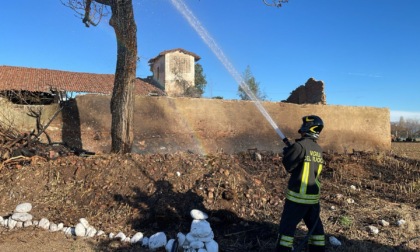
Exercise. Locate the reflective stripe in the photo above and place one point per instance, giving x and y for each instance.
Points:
(318, 240)
(302, 198)
(286, 241)
(305, 178)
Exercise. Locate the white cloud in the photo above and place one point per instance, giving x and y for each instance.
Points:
(396, 115)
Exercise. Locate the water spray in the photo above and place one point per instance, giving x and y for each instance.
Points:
(211, 43)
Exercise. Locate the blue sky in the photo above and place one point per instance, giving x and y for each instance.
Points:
(367, 53)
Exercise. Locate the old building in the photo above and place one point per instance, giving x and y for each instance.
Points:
(173, 70)
(42, 86)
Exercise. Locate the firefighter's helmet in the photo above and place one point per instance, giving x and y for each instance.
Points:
(312, 125)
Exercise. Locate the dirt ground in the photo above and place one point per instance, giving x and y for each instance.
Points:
(242, 194)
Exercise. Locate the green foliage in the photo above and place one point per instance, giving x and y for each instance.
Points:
(200, 81)
(254, 86)
(345, 221)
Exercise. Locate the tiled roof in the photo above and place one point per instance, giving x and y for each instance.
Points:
(42, 80)
(196, 57)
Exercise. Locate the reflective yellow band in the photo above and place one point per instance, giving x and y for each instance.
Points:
(305, 178)
(302, 198)
(286, 241)
(318, 240)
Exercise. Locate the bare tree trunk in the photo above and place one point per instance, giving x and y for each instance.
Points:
(122, 102)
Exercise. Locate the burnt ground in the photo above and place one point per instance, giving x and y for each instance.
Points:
(242, 194)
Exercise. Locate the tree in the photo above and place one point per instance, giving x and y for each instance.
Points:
(200, 81)
(122, 101)
(252, 86)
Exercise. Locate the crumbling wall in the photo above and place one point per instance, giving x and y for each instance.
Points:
(167, 125)
(310, 93)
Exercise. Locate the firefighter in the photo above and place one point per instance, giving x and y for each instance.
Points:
(304, 161)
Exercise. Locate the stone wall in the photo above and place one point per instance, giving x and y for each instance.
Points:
(168, 125)
(310, 93)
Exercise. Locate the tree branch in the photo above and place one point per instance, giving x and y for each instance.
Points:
(275, 3)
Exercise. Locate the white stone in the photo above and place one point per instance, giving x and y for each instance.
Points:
(44, 223)
(202, 250)
(200, 228)
(121, 236)
(1, 221)
(90, 231)
(35, 223)
(145, 242)
(23, 208)
(11, 223)
(111, 235)
(353, 187)
(84, 222)
(27, 223)
(197, 244)
(400, 222)
(191, 238)
(373, 229)
(157, 240)
(136, 237)
(212, 246)
(198, 215)
(384, 223)
(334, 241)
(80, 230)
(53, 227)
(127, 239)
(169, 245)
(19, 224)
(181, 238)
(21, 217)
(206, 238)
(6, 223)
(350, 200)
(60, 226)
(178, 173)
(100, 233)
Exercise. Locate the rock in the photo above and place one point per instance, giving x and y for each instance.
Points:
(35, 223)
(23, 208)
(169, 245)
(1, 221)
(350, 200)
(334, 241)
(22, 217)
(44, 223)
(373, 229)
(145, 242)
(200, 228)
(136, 238)
(202, 250)
(53, 227)
(384, 223)
(11, 223)
(19, 224)
(121, 236)
(80, 230)
(400, 222)
(127, 239)
(100, 233)
(111, 235)
(84, 222)
(206, 238)
(197, 244)
(198, 215)
(60, 226)
(181, 238)
(90, 231)
(157, 240)
(27, 223)
(212, 246)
